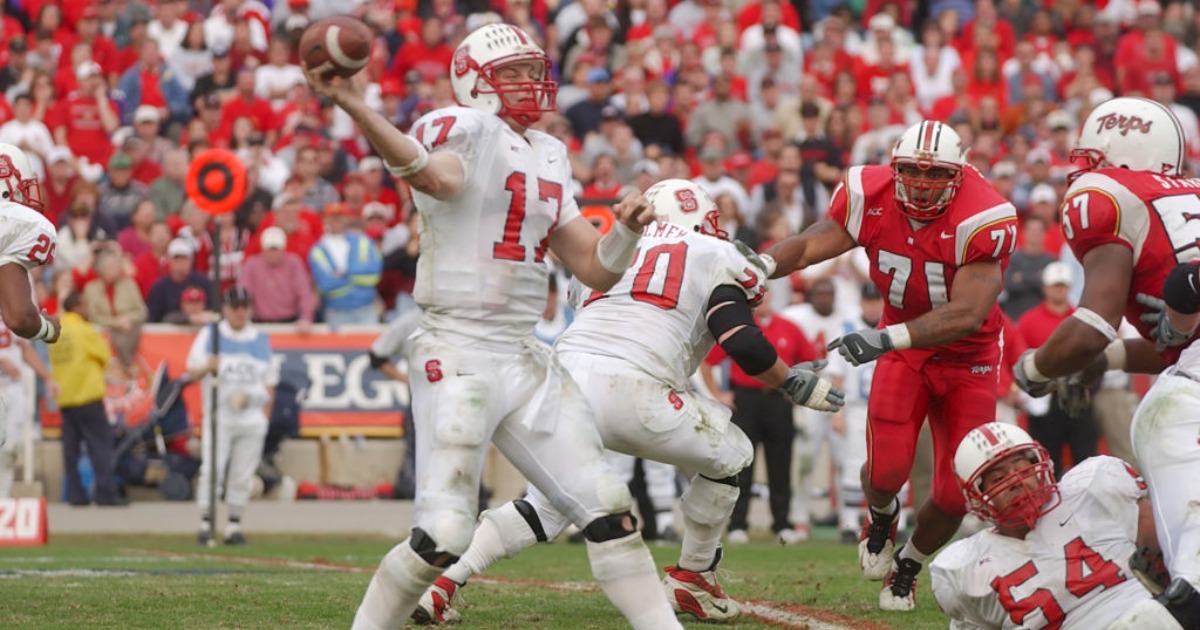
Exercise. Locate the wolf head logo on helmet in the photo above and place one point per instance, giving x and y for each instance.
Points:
(1006, 493)
(1134, 133)
(928, 163)
(687, 205)
(476, 84)
(17, 183)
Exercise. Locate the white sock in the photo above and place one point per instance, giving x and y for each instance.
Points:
(626, 573)
(706, 507)
(909, 552)
(501, 533)
(892, 507)
(397, 586)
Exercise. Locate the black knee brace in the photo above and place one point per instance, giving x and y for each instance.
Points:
(611, 527)
(426, 547)
(530, 515)
(1183, 602)
(732, 480)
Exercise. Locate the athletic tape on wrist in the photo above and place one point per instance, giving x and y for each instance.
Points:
(1114, 355)
(46, 330)
(415, 166)
(617, 248)
(1093, 319)
(769, 262)
(1031, 370)
(901, 338)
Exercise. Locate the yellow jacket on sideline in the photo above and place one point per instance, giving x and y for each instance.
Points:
(78, 361)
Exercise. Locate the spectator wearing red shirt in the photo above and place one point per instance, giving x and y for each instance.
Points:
(765, 415)
(151, 82)
(1052, 427)
(1145, 51)
(430, 55)
(152, 263)
(135, 239)
(604, 184)
(58, 184)
(104, 50)
(303, 228)
(84, 120)
(656, 16)
(752, 13)
(246, 103)
(370, 171)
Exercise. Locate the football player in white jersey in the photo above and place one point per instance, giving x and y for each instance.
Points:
(1132, 219)
(27, 241)
(692, 288)
(1056, 556)
(493, 196)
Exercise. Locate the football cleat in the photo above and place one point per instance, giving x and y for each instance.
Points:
(434, 607)
(877, 543)
(205, 538)
(900, 586)
(737, 537)
(235, 537)
(698, 593)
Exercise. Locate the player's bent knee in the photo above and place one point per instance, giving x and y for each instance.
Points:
(445, 551)
(531, 519)
(611, 527)
(710, 501)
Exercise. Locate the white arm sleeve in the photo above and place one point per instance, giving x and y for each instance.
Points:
(391, 343)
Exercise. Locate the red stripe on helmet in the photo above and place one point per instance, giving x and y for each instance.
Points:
(927, 141)
(519, 33)
(989, 436)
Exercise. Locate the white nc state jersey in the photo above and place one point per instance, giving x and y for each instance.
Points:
(27, 238)
(654, 317)
(1071, 571)
(482, 272)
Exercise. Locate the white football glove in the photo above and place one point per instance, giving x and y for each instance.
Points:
(805, 388)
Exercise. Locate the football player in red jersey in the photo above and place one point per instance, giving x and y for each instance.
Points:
(937, 234)
(1133, 221)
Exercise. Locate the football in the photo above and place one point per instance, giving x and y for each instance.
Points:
(340, 45)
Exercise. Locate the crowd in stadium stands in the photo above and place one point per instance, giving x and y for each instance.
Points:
(762, 102)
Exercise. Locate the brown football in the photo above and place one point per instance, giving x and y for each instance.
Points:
(339, 44)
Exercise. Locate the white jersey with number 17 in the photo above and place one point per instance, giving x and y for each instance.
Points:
(482, 272)
(655, 316)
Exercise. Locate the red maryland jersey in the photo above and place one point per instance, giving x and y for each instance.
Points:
(913, 263)
(1157, 217)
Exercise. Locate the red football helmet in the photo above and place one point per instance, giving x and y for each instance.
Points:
(473, 74)
(990, 444)
(17, 183)
(928, 163)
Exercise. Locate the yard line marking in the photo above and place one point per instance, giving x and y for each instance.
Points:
(778, 614)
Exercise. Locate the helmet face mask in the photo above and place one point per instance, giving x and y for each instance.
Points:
(486, 74)
(1132, 133)
(14, 185)
(927, 164)
(1006, 477)
(683, 203)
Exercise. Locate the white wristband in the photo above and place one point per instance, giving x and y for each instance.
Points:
(46, 330)
(1093, 319)
(415, 166)
(616, 248)
(1031, 370)
(1114, 355)
(901, 339)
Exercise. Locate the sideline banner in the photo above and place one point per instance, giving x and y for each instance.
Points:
(344, 395)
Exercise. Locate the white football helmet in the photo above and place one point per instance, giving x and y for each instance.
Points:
(990, 444)
(18, 182)
(473, 74)
(923, 192)
(687, 205)
(1134, 133)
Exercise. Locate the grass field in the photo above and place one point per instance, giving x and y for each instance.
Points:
(280, 582)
